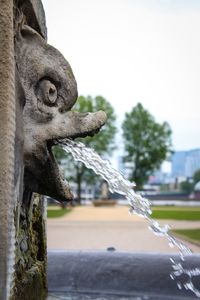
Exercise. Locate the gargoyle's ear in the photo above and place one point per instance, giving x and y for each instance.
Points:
(26, 33)
(23, 30)
(29, 33)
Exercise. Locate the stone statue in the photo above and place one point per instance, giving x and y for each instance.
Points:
(104, 190)
(50, 92)
(37, 92)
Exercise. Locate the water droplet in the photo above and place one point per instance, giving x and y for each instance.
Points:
(179, 285)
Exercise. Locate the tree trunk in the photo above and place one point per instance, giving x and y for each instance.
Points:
(79, 189)
(79, 179)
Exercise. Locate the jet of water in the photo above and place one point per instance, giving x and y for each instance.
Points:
(138, 205)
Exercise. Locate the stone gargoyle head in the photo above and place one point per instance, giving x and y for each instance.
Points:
(50, 91)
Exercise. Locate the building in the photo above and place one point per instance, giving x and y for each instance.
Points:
(182, 165)
(185, 163)
(178, 163)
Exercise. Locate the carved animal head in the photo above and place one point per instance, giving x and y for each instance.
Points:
(50, 91)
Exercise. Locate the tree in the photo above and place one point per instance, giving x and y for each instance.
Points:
(102, 143)
(196, 176)
(187, 186)
(147, 143)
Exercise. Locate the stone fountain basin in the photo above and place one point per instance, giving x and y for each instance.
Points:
(114, 275)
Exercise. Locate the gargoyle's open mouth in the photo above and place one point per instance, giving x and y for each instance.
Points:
(42, 174)
(82, 125)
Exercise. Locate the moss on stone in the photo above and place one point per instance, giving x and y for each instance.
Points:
(30, 264)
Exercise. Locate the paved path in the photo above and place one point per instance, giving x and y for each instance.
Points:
(98, 228)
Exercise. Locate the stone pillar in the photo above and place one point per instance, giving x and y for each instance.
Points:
(7, 141)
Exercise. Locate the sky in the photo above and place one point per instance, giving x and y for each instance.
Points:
(132, 51)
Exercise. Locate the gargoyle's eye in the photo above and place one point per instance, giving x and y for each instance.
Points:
(47, 92)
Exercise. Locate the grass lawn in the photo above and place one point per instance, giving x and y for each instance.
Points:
(176, 213)
(56, 213)
(190, 234)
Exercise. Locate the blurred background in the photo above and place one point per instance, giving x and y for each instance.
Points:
(139, 61)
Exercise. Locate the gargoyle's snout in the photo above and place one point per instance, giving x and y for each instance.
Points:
(73, 124)
(69, 125)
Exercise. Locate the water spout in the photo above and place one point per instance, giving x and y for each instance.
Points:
(138, 205)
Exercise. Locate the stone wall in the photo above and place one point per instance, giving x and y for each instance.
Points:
(22, 213)
(7, 142)
(30, 259)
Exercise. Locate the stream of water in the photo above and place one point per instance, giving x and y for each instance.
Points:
(138, 205)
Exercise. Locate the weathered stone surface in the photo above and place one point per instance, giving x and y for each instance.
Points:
(30, 262)
(37, 92)
(102, 296)
(7, 141)
(50, 91)
(35, 15)
(96, 275)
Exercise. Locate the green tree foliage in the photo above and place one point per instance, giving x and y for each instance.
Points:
(187, 186)
(103, 142)
(147, 143)
(196, 176)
